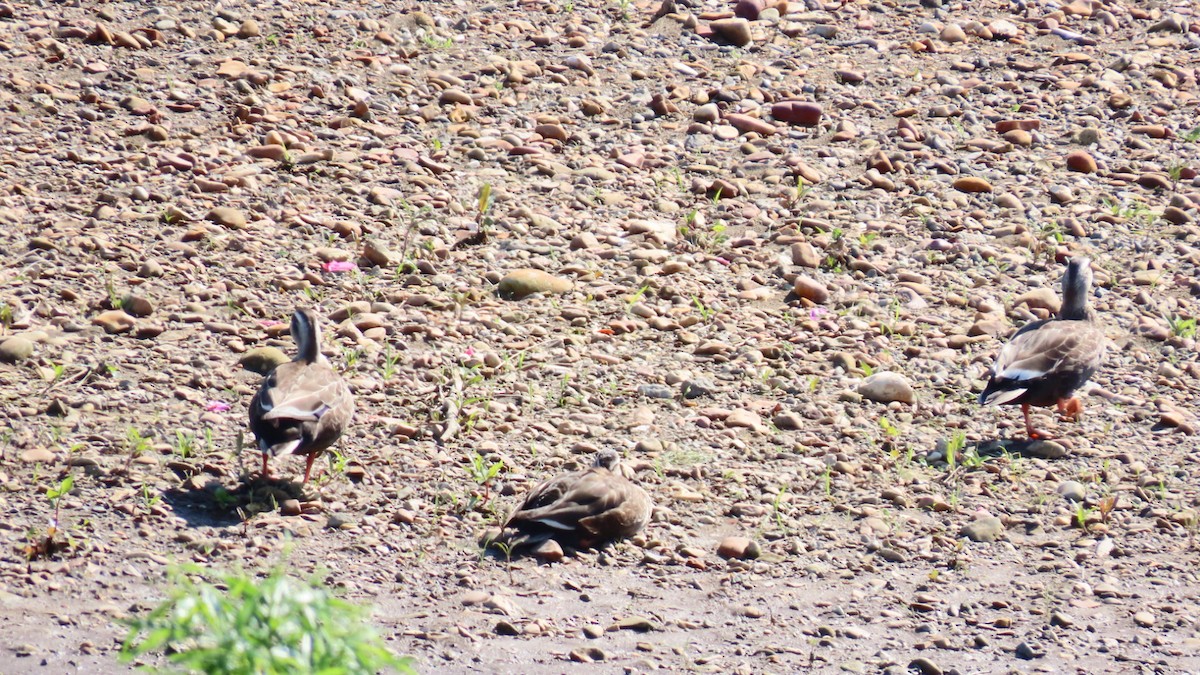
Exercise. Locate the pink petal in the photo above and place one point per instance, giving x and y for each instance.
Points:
(217, 406)
(338, 266)
(723, 261)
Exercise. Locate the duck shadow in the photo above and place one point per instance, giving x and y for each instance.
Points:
(1037, 448)
(216, 505)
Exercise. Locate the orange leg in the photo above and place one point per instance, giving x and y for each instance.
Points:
(266, 470)
(308, 467)
(1029, 430)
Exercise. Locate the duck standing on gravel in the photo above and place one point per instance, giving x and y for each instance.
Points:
(580, 510)
(303, 406)
(1047, 360)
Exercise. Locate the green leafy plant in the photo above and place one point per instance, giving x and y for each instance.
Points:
(437, 43)
(706, 312)
(954, 447)
(45, 546)
(138, 445)
(888, 428)
(390, 359)
(1182, 327)
(267, 626)
(184, 443)
(484, 473)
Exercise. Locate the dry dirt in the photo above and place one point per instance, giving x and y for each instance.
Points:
(725, 272)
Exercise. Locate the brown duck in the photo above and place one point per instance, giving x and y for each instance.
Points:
(303, 406)
(580, 510)
(1046, 361)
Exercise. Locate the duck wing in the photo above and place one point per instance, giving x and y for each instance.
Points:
(1037, 353)
(300, 408)
(580, 509)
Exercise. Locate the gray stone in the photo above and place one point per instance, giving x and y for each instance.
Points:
(16, 348)
(886, 387)
(984, 529)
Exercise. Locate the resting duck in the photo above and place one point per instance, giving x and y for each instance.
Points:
(303, 406)
(1046, 361)
(580, 510)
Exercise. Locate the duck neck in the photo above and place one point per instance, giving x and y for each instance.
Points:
(307, 337)
(1074, 307)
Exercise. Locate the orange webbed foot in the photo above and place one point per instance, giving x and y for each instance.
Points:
(1070, 409)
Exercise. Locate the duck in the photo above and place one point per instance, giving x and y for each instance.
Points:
(1047, 361)
(580, 510)
(303, 406)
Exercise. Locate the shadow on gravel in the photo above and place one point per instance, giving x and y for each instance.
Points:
(1038, 448)
(215, 505)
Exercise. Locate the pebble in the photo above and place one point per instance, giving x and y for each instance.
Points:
(227, 216)
(16, 348)
(800, 113)
(983, 529)
(924, 666)
(740, 548)
(733, 31)
(810, 289)
(1081, 161)
(660, 391)
(524, 282)
(38, 454)
(1072, 491)
(971, 184)
(137, 305)
(953, 34)
(805, 255)
(114, 321)
(886, 387)
(262, 360)
(1039, 298)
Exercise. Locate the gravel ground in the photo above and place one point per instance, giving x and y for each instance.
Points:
(768, 257)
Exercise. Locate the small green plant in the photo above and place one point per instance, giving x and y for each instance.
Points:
(637, 296)
(954, 447)
(150, 499)
(706, 313)
(867, 238)
(803, 189)
(184, 444)
(137, 444)
(866, 368)
(1081, 515)
(1192, 136)
(564, 389)
(351, 357)
(6, 315)
(776, 507)
(224, 498)
(434, 42)
(45, 546)
(1182, 327)
(483, 473)
(390, 359)
(888, 428)
(271, 626)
